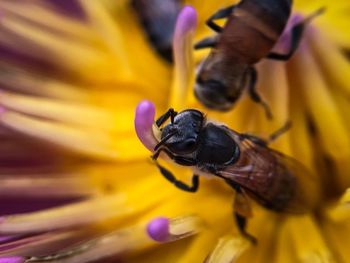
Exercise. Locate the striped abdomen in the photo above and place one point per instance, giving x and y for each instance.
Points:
(253, 29)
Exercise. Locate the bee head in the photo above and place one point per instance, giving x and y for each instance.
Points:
(214, 94)
(182, 136)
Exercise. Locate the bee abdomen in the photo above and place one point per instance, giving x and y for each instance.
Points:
(254, 28)
(272, 13)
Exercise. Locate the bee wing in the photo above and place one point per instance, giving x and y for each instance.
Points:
(307, 187)
(273, 179)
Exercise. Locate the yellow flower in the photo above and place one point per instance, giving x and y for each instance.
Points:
(84, 183)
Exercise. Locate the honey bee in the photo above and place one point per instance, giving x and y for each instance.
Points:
(251, 30)
(274, 180)
(159, 18)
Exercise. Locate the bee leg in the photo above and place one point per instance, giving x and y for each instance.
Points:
(178, 159)
(179, 184)
(254, 139)
(271, 138)
(242, 222)
(297, 33)
(169, 114)
(242, 210)
(170, 177)
(254, 95)
(208, 42)
(222, 13)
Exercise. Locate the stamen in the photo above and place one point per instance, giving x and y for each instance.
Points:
(158, 229)
(106, 246)
(18, 79)
(162, 229)
(301, 133)
(337, 236)
(48, 18)
(323, 109)
(183, 56)
(274, 87)
(228, 249)
(74, 113)
(327, 55)
(43, 243)
(144, 119)
(12, 260)
(31, 40)
(38, 186)
(85, 141)
(109, 30)
(72, 215)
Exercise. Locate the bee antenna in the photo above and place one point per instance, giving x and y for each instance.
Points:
(165, 139)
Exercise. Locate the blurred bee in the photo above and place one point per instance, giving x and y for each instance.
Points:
(159, 18)
(250, 32)
(275, 181)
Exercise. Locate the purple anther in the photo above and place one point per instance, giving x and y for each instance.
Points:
(186, 21)
(144, 119)
(158, 229)
(182, 47)
(284, 41)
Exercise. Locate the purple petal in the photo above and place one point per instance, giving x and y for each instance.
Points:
(71, 7)
(158, 229)
(12, 260)
(144, 119)
(20, 205)
(7, 239)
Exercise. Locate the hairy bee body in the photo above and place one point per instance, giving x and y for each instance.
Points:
(251, 30)
(274, 180)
